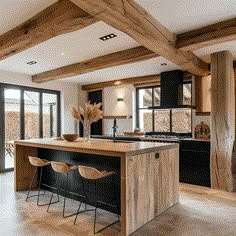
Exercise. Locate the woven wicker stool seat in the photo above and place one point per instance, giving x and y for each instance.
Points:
(35, 161)
(38, 163)
(61, 168)
(91, 173)
(94, 175)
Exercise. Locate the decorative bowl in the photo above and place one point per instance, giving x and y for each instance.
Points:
(70, 137)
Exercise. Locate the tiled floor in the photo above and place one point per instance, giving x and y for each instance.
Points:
(201, 212)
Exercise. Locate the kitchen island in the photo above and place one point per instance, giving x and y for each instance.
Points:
(148, 173)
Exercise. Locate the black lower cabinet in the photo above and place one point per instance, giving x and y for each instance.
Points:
(195, 162)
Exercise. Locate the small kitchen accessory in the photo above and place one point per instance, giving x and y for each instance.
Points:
(202, 131)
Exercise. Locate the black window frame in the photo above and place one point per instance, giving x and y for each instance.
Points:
(22, 89)
(153, 109)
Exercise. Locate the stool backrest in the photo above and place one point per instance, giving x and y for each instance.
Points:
(60, 167)
(35, 161)
(90, 173)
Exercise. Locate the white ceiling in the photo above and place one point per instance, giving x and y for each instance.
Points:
(178, 16)
(68, 49)
(184, 15)
(205, 52)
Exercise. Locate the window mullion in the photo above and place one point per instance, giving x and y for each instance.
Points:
(22, 114)
(40, 115)
(153, 118)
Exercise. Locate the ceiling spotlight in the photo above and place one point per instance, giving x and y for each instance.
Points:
(109, 36)
(163, 64)
(31, 63)
(120, 99)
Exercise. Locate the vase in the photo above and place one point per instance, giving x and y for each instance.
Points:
(87, 129)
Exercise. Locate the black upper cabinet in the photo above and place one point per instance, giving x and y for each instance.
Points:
(96, 96)
(96, 128)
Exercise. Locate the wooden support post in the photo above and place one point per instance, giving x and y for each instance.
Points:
(222, 120)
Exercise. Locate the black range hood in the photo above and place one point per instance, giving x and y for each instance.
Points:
(172, 90)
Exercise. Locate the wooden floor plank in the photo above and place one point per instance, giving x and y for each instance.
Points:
(201, 211)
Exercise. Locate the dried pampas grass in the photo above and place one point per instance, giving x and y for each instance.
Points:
(91, 113)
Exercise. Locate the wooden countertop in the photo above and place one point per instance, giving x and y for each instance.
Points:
(99, 146)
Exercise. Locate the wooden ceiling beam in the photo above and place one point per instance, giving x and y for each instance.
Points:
(132, 80)
(114, 59)
(59, 18)
(128, 17)
(136, 81)
(212, 34)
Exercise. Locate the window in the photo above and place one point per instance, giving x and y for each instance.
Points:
(162, 120)
(26, 113)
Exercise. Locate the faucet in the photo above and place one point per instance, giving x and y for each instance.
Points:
(114, 130)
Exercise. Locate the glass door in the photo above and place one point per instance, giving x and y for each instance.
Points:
(26, 113)
(31, 115)
(12, 118)
(50, 115)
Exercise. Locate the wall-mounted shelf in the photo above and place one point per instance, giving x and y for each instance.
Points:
(117, 117)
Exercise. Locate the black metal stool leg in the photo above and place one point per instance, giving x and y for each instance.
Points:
(64, 203)
(39, 184)
(58, 193)
(95, 216)
(66, 191)
(39, 188)
(95, 213)
(30, 188)
(85, 203)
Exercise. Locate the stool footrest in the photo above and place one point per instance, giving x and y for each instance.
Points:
(106, 204)
(35, 195)
(95, 232)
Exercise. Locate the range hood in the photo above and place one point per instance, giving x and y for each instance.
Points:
(171, 90)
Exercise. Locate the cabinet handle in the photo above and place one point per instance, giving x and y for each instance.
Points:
(157, 155)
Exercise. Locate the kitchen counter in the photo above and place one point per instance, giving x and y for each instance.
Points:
(137, 138)
(195, 139)
(147, 174)
(148, 138)
(98, 146)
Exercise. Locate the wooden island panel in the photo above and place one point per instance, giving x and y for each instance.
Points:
(152, 186)
(24, 171)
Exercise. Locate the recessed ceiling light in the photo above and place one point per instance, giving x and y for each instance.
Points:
(109, 36)
(163, 64)
(62, 53)
(31, 62)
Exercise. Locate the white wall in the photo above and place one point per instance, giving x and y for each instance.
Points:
(114, 108)
(196, 119)
(69, 94)
(127, 107)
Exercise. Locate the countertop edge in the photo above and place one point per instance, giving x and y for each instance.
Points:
(117, 153)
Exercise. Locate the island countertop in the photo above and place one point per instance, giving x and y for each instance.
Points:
(99, 146)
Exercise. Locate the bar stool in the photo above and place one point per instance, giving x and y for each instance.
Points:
(62, 168)
(94, 175)
(38, 163)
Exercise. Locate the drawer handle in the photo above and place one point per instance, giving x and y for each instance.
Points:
(157, 155)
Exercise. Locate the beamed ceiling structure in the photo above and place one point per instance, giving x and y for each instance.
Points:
(127, 16)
